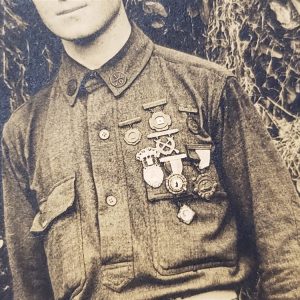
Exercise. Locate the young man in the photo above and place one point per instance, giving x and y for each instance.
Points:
(142, 173)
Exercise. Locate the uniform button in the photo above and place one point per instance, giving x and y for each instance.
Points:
(104, 134)
(118, 79)
(72, 87)
(111, 200)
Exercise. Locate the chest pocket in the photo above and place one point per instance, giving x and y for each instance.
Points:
(208, 241)
(58, 223)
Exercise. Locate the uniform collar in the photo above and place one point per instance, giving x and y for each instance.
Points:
(118, 73)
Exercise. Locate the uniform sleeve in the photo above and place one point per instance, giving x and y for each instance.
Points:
(26, 255)
(261, 189)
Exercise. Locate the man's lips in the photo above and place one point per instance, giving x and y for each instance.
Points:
(70, 10)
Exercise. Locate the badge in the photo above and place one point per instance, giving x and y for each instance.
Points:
(152, 172)
(201, 153)
(176, 183)
(132, 136)
(165, 143)
(160, 121)
(205, 186)
(186, 214)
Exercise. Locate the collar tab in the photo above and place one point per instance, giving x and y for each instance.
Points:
(118, 73)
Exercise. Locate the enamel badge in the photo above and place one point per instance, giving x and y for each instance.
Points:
(205, 186)
(152, 172)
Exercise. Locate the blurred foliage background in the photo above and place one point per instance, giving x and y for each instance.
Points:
(259, 40)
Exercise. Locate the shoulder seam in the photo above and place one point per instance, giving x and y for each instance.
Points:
(222, 73)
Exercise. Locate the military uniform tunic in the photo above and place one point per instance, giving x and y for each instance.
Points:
(82, 223)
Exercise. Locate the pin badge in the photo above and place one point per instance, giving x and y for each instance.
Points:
(165, 143)
(152, 172)
(186, 214)
(205, 186)
(132, 136)
(201, 153)
(160, 121)
(176, 183)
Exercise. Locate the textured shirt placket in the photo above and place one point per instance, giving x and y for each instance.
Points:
(110, 183)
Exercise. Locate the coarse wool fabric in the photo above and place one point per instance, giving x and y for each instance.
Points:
(67, 241)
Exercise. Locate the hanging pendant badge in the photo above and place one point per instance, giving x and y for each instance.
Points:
(176, 183)
(204, 185)
(133, 135)
(152, 172)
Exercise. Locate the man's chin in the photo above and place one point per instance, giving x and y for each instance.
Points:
(81, 38)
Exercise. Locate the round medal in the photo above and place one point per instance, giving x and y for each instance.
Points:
(176, 184)
(160, 121)
(132, 136)
(205, 186)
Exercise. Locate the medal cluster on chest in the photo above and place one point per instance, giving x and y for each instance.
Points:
(163, 163)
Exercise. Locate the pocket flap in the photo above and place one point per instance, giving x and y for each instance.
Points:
(58, 201)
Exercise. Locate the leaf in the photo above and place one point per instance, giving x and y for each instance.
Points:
(298, 185)
(205, 8)
(192, 11)
(284, 15)
(151, 7)
(157, 24)
(296, 4)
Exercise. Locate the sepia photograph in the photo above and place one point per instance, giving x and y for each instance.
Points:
(150, 150)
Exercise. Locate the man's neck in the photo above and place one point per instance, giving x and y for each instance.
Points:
(97, 51)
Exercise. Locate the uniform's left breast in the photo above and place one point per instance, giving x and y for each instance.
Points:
(191, 224)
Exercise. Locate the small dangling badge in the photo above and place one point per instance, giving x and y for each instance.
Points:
(176, 183)
(152, 172)
(186, 214)
(133, 135)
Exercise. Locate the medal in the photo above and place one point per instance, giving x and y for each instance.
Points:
(164, 141)
(160, 121)
(132, 136)
(186, 214)
(152, 172)
(201, 153)
(176, 183)
(205, 186)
